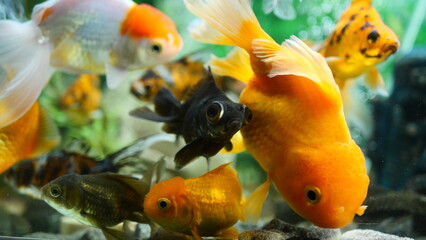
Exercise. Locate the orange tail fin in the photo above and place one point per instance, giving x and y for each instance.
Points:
(234, 19)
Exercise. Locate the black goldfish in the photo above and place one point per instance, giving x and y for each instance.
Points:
(100, 200)
(207, 120)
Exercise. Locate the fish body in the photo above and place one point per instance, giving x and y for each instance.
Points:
(201, 206)
(207, 121)
(359, 42)
(30, 136)
(79, 36)
(99, 200)
(298, 133)
(29, 176)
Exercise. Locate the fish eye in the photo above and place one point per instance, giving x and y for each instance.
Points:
(163, 204)
(313, 195)
(55, 192)
(248, 116)
(156, 48)
(372, 37)
(214, 111)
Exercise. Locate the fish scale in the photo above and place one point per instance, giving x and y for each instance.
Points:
(203, 206)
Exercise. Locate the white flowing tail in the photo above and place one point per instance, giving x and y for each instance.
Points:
(24, 68)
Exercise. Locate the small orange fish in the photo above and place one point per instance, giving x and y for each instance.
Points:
(82, 97)
(79, 36)
(298, 133)
(30, 136)
(208, 205)
(180, 76)
(360, 41)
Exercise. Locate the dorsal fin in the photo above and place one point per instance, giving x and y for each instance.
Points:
(294, 57)
(166, 103)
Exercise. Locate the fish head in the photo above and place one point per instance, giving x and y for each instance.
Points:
(325, 185)
(168, 204)
(151, 37)
(63, 194)
(376, 40)
(224, 118)
(146, 87)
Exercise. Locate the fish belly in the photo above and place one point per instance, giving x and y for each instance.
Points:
(17, 140)
(82, 31)
(218, 204)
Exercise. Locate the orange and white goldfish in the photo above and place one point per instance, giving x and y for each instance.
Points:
(298, 133)
(108, 37)
(359, 42)
(208, 205)
(30, 136)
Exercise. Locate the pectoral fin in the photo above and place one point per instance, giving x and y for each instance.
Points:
(146, 113)
(374, 80)
(112, 234)
(114, 75)
(195, 233)
(254, 203)
(189, 152)
(196, 148)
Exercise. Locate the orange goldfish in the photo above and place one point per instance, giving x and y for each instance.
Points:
(360, 41)
(208, 205)
(83, 94)
(30, 136)
(108, 37)
(298, 133)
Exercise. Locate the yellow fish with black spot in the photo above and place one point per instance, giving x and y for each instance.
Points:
(359, 42)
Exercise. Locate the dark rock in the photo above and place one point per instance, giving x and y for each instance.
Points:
(84, 234)
(89, 234)
(262, 235)
(12, 225)
(400, 125)
(399, 213)
(294, 232)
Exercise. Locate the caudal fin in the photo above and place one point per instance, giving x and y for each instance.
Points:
(294, 57)
(233, 18)
(24, 68)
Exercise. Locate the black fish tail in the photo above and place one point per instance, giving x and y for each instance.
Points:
(116, 160)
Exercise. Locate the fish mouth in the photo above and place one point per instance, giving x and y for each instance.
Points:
(389, 49)
(233, 125)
